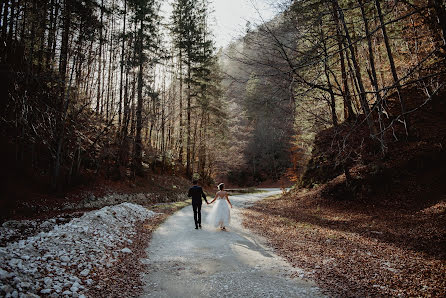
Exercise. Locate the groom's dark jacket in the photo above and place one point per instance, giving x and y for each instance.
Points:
(196, 192)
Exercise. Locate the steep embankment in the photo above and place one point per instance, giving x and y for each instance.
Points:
(349, 144)
(383, 233)
(21, 202)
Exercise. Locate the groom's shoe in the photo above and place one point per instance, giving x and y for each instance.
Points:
(199, 226)
(196, 228)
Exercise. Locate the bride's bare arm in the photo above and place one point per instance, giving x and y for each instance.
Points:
(214, 198)
(227, 199)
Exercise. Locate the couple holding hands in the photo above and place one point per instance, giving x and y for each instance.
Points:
(220, 214)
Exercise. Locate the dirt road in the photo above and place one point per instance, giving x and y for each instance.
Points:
(184, 262)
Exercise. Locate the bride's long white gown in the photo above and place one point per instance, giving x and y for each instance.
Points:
(220, 215)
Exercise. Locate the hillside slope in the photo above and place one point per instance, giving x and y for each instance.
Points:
(382, 233)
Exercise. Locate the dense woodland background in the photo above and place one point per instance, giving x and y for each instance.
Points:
(115, 89)
(107, 88)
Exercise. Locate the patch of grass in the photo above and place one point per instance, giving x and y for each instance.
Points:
(242, 191)
(164, 210)
(169, 208)
(295, 224)
(273, 197)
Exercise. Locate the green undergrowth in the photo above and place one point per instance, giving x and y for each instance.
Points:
(243, 191)
(169, 207)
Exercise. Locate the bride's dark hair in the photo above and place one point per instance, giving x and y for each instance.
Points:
(221, 186)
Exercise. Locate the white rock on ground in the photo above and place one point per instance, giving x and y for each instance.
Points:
(59, 262)
(126, 250)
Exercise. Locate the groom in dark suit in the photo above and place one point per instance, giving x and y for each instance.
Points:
(196, 192)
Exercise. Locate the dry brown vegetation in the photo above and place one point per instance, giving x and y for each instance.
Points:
(357, 249)
(381, 234)
(28, 202)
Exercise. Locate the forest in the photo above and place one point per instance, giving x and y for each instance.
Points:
(340, 65)
(107, 89)
(112, 87)
(341, 101)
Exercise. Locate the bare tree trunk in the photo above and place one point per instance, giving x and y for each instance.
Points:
(441, 18)
(11, 22)
(124, 144)
(194, 147)
(64, 44)
(348, 110)
(163, 106)
(61, 110)
(180, 136)
(188, 156)
(88, 79)
(362, 95)
(16, 19)
(24, 18)
(334, 116)
(33, 35)
(374, 78)
(132, 104)
(98, 95)
(137, 163)
(51, 33)
(104, 67)
(392, 66)
(5, 20)
(122, 64)
(54, 40)
(110, 86)
(42, 36)
(203, 139)
(172, 110)
(354, 83)
(126, 116)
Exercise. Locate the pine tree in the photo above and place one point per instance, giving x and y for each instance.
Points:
(147, 23)
(187, 36)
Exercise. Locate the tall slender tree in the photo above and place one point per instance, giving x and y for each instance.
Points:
(147, 21)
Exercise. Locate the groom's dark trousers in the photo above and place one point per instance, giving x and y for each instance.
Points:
(196, 192)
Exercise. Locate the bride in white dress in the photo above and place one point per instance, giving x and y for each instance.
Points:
(220, 214)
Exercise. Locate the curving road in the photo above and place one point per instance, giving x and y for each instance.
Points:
(184, 262)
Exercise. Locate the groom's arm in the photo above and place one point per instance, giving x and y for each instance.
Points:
(204, 196)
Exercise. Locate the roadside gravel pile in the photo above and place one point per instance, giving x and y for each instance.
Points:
(15, 230)
(65, 260)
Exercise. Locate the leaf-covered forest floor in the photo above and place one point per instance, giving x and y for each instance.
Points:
(385, 234)
(356, 249)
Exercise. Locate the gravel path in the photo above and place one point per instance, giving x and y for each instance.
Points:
(184, 262)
